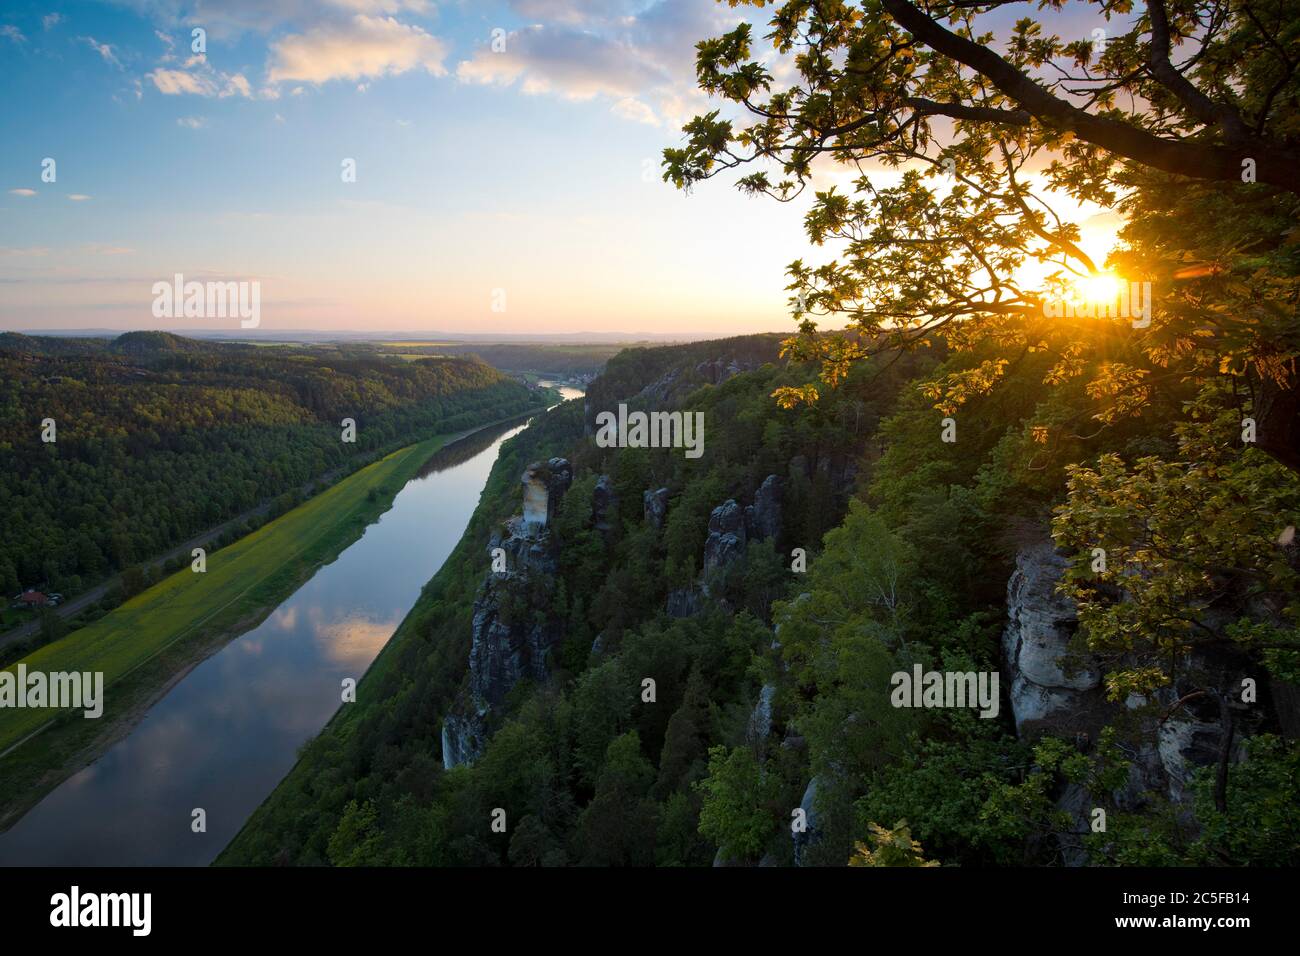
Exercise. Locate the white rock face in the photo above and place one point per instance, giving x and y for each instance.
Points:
(1040, 626)
(536, 498)
(1185, 746)
(1033, 703)
(544, 483)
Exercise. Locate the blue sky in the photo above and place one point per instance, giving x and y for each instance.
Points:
(527, 174)
(533, 170)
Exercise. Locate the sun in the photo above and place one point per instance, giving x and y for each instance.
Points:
(1097, 289)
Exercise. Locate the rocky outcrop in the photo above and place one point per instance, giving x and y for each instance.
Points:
(731, 528)
(544, 484)
(604, 505)
(504, 652)
(1191, 736)
(508, 642)
(528, 550)
(811, 834)
(661, 379)
(760, 719)
(1186, 745)
(763, 517)
(1056, 688)
(727, 536)
(655, 506)
(719, 370)
(462, 739)
(1047, 693)
(685, 602)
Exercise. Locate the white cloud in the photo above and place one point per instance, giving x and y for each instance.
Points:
(355, 49)
(643, 61)
(192, 122)
(575, 64)
(381, 6)
(22, 192)
(176, 82)
(105, 51)
(78, 197)
(199, 79)
(236, 84)
(227, 18)
(631, 108)
(572, 11)
(13, 33)
(51, 20)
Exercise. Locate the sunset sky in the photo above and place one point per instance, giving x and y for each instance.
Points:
(534, 170)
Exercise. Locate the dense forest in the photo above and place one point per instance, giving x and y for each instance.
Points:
(158, 438)
(1081, 478)
(776, 677)
(543, 357)
(1037, 423)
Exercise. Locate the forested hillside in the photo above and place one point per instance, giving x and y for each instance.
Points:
(542, 357)
(159, 437)
(1072, 477)
(772, 683)
(372, 787)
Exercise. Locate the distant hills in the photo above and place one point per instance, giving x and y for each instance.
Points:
(316, 335)
(122, 343)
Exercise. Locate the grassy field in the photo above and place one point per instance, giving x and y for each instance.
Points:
(12, 617)
(142, 645)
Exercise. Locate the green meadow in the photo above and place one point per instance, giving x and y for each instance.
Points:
(148, 640)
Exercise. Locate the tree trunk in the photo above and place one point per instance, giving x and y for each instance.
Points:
(1277, 421)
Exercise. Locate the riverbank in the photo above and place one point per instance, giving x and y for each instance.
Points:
(416, 672)
(150, 643)
(72, 609)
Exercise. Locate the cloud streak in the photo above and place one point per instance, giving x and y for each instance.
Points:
(198, 78)
(105, 51)
(359, 48)
(587, 50)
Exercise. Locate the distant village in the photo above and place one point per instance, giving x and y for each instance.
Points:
(576, 380)
(33, 600)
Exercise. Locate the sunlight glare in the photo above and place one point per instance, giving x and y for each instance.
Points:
(1104, 287)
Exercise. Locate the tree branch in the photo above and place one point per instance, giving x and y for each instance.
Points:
(1276, 166)
(1197, 103)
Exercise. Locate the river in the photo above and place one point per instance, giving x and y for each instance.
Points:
(226, 734)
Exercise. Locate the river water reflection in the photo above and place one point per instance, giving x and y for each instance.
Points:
(227, 733)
